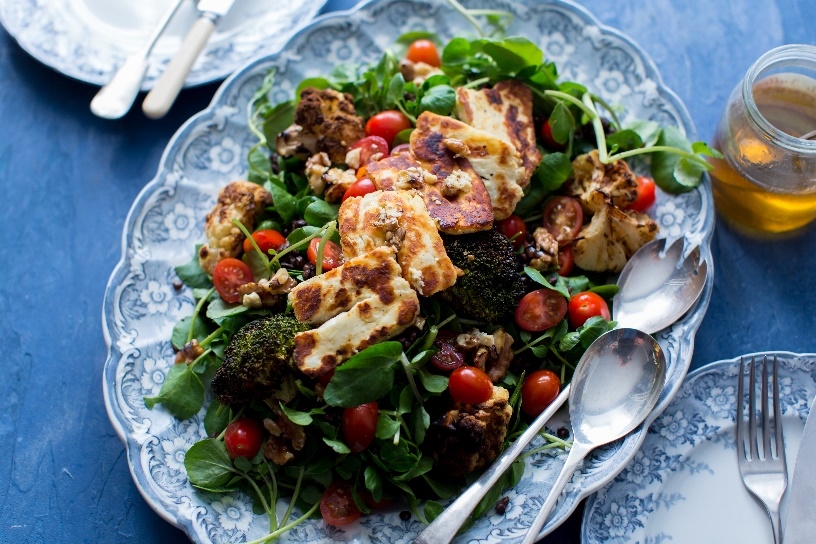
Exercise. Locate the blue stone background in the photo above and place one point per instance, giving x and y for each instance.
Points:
(67, 180)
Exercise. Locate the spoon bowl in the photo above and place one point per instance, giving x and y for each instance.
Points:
(657, 286)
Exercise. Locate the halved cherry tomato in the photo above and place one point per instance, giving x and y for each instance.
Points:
(585, 305)
(228, 276)
(243, 438)
(645, 194)
(325, 378)
(266, 239)
(547, 136)
(538, 391)
(424, 51)
(332, 254)
(369, 147)
(448, 358)
(359, 425)
(361, 187)
(514, 228)
(368, 498)
(563, 218)
(541, 309)
(400, 149)
(387, 124)
(469, 385)
(566, 260)
(337, 506)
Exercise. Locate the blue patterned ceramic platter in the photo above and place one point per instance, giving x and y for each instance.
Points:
(684, 484)
(167, 218)
(89, 39)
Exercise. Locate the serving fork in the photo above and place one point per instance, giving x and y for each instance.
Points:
(762, 466)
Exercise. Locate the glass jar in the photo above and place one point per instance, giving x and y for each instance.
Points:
(766, 182)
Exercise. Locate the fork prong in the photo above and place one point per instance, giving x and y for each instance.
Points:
(740, 412)
(778, 438)
(766, 412)
(752, 419)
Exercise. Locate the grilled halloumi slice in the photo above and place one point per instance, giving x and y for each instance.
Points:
(241, 200)
(398, 219)
(506, 111)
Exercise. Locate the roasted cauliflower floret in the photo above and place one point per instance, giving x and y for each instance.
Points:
(614, 181)
(337, 181)
(325, 121)
(467, 437)
(241, 200)
(611, 238)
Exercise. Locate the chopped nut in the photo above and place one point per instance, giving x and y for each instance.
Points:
(285, 438)
(316, 166)
(189, 353)
(267, 293)
(546, 256)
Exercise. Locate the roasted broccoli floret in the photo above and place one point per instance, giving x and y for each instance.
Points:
(491, 286)
(257, 360)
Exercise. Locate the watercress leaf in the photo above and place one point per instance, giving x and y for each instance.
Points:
(182, 329)
(607, 290)
(258, 265)
(576, 284)
(218, 309)
(387, 426)
(217, 418)
(396, 456)
(320, 83)
(688, 172)
(182, 392)
(456, 52)
(193, 275)
(406, 401)
(410, 37)
(561, 123)
(373, 482)
(278, 120)
(421, 421)
(258, 164)
(301, 233)
(285, 204)
(337, 445)
(344, 73)
(432, 510)
(367, 376)
(442, 489)
(434, 80)
(208, 464)
(423, 466)
(433, 383)
(569, 341)
(553, 171)
(243, 464)
(623, 140)
(298, 418)
(310, 495)
(403, 136)
(702, 148)
(540, 350)
(439, 99)
(664, 163)
(395, 91)
(320, 212)
(536, 276)
(592, 329)
(649, 131)
(514, 54)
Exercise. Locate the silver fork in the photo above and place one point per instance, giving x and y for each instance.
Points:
(764, 472)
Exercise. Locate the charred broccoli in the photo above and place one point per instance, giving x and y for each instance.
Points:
(491, 286)
(257, 359)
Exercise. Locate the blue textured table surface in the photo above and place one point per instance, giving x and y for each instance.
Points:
(69, 180)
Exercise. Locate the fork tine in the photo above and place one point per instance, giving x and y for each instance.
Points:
(778, 442)
(752, 420)
(766, 412)
(740, 412)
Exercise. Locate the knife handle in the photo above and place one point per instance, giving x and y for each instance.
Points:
(164, 93)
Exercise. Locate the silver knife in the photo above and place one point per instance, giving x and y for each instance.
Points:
(800, 526)
(166, 89)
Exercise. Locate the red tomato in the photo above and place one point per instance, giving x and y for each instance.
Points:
(266, 240)
(448, 358)
(400, 149)
(469, 385)
(332, 254)
(325, 378)
(361, 187)
(538, 391)
(547, 136)
(370, 146)
(243, 438)
(585, 305)
(645, 194)
(513, 226)
(359, 425)
(566, 260)
(228, 276)
(563, 218)
(368, 498)
(424, 51)
(541, 309)
(387, 124)
(337, 505)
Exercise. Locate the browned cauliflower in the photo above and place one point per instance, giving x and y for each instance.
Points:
(614, 181)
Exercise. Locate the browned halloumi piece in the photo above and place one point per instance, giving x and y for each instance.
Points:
(241, 200)
(505, 111)
(398, 219)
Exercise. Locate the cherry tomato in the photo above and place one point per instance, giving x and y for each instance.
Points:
(541, 309)
(368, 498)
(243, 438)
(513, 226)
(424, 51)
(400, 149)
(387, 124)
(332, 254)
(361, 187)
(359, 425)
(585, 305)
(563, 218)
(370, 146)
(266, 239)
(228, 276)
(448, 358)
(538, 391)
(547, 136)
(469, 385)
(566, 260)
(645, 194)
(337, 505)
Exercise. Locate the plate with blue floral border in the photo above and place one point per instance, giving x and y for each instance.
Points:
(166, 220)
(684, 484)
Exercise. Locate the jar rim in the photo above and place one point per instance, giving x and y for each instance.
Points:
(801, 55)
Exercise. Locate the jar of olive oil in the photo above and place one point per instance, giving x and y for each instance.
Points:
(766, 181)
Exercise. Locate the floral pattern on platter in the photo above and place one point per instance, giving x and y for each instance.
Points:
(75, 39)
(702, 414)
(167, 219)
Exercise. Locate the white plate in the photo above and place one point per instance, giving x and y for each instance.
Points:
(684, 484)
(166, 220)
(89, 39)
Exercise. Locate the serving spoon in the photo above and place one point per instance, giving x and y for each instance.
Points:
(631, 294)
